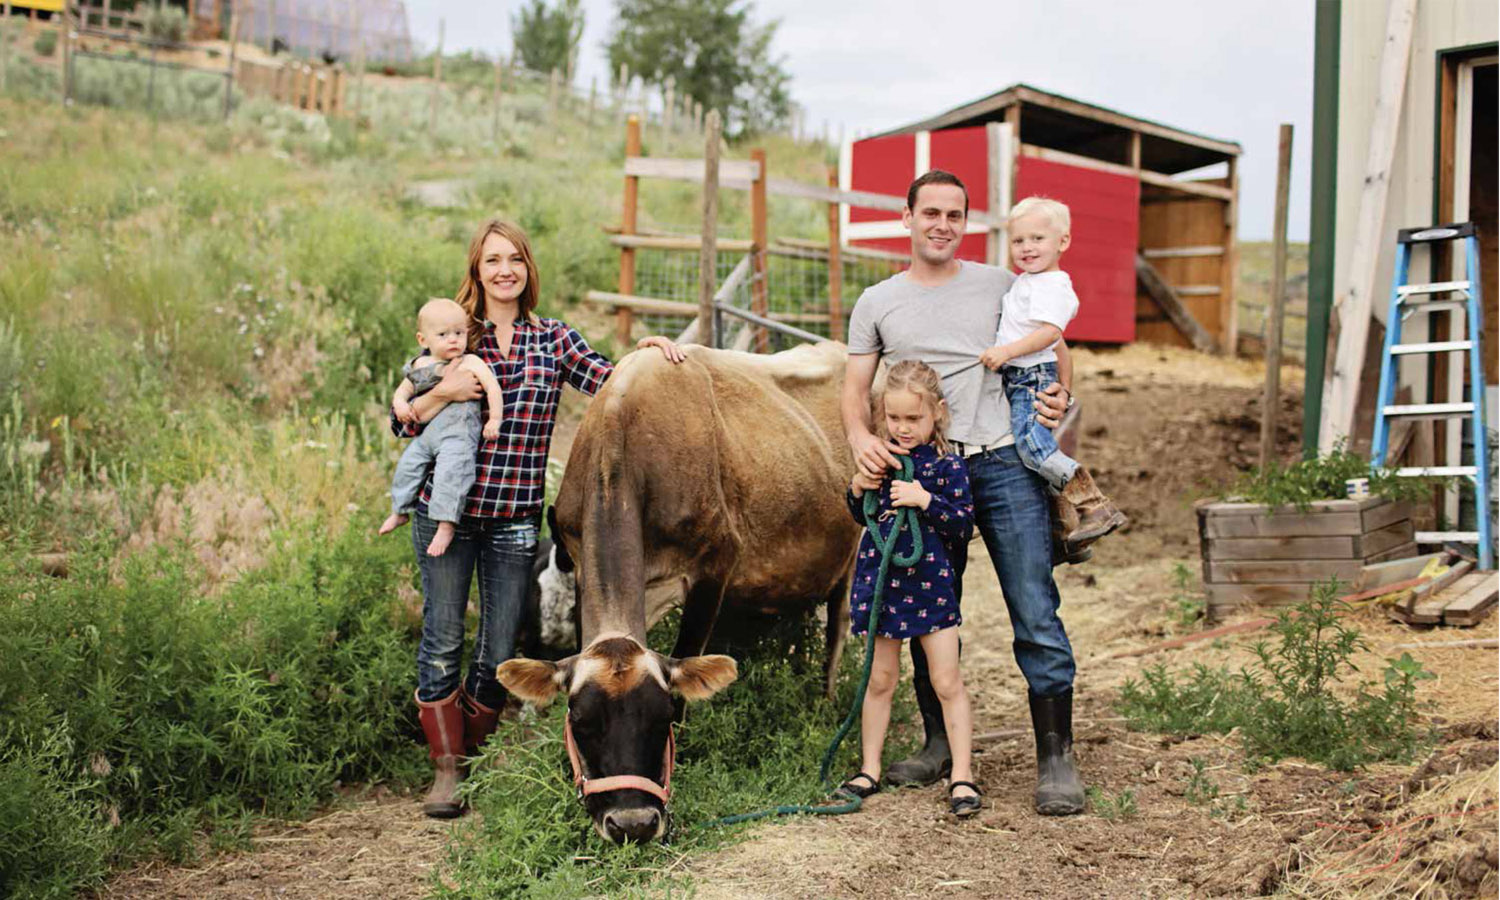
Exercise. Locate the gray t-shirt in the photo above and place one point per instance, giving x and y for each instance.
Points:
(946, 326)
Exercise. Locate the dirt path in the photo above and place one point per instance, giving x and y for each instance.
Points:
(1158, 427)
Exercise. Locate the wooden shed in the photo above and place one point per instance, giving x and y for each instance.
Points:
(1154, 206)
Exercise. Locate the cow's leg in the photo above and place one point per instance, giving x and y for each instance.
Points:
(835, 632)
(700, 610)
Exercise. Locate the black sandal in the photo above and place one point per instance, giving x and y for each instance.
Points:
(963, 807)
(851, 789)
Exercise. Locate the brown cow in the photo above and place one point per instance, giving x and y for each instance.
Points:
(716, 484)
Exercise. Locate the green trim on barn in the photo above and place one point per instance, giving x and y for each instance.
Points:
(1322, 234)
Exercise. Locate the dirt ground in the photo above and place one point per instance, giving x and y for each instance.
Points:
(1160, 427)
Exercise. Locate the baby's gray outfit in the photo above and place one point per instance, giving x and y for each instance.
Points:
(448, 445)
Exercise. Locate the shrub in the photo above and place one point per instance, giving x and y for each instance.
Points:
(1287, 704)
(167, 712)
(167, 23)
(46, 43)
(1323, 478)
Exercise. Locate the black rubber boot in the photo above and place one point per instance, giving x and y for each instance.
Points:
(934, 761)
(1059, 790)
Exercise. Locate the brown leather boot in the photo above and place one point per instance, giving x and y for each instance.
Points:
(1097, 516)
(1065, 519)
(443, 723)
(479, 724)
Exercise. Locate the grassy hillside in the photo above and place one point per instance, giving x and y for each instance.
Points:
(200, 323)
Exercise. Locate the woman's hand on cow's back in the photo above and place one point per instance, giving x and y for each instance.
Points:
(667, 346)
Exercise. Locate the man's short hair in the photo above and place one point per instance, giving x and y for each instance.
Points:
(935, 176)
(1055, 211)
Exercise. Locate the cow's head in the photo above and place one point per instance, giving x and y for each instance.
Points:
(620, 714)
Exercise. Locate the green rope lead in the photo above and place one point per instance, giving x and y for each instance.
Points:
(906, 518)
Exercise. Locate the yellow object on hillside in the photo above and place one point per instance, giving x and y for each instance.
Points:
(47, 6)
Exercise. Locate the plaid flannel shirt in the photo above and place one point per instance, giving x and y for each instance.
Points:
(512, 470)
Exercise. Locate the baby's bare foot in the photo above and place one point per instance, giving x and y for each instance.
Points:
(392, 522)
(441, 540)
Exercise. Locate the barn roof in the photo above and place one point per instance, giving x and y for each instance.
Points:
(1063, 123)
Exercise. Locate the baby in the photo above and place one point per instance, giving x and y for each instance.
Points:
(1037, 308)
(451, 439)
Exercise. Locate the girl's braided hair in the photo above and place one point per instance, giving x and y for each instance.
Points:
(923, 380)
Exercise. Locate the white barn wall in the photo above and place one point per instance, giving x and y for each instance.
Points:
(1440, 25)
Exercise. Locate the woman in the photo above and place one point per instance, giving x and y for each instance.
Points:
(497, 535)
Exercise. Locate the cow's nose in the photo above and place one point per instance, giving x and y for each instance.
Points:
(639, 824)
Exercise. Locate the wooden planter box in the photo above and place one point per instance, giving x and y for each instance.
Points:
(1256, 555)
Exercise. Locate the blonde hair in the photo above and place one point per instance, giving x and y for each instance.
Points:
(923, 380)
(471, 290)
(1055, 211)
(432, 308)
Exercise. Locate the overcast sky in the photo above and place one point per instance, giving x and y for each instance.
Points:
(1231, 70)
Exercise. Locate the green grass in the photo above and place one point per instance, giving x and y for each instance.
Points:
(200, 323)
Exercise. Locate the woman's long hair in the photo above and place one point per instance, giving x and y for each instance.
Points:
(923, 380)
(471, 290)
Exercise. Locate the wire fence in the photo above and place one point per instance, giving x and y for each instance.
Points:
(797, 288)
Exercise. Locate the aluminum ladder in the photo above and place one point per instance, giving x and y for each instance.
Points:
(1410, 299)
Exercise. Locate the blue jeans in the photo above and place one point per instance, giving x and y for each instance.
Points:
(1034, 441)
(1012, 513)
(502, 550)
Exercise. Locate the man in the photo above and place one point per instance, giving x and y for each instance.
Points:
(944, 311)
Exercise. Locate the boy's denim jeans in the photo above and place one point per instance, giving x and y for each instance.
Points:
(1012, 513)
(1034, 441)
(502, 550)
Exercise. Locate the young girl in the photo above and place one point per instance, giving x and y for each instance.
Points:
(919, 601)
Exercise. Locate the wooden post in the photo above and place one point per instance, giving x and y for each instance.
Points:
(835, 265)
(1271, 403)
(758, 242)
(234, 42)
(627, 226)
(103, 23)
(667, 99)
(5, 46)
(270, 26)
(708, 250)
(1354, 304)
(1229, 263)
(437, 80)
(359, 62)
(622, 87)
(65, 23)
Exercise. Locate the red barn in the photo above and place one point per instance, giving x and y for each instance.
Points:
(1143, 195)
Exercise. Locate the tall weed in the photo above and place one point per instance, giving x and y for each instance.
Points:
(162, 712)
(1289, 703)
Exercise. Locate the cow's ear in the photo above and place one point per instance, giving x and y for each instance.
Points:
(536, 680)
(700, 677)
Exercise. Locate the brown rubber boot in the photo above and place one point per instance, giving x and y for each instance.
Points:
(1097, 516)
(443, 723)
(479, 724)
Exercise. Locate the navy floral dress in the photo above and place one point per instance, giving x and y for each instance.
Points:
(918, 599)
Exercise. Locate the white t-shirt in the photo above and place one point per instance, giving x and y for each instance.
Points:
(1044, 298)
